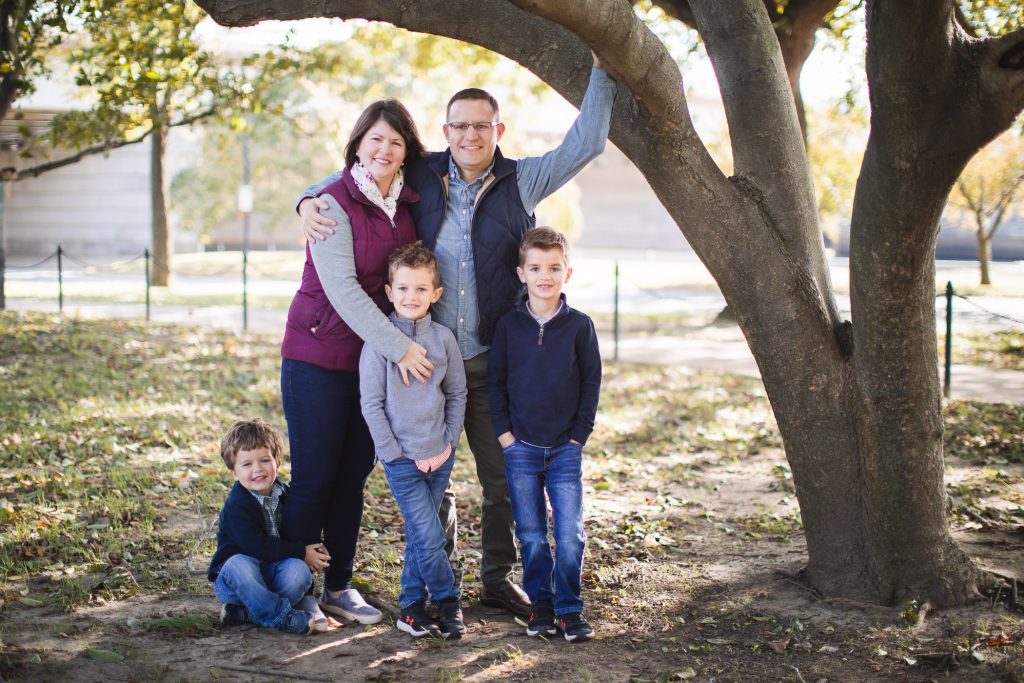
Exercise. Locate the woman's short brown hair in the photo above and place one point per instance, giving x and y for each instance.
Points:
(393, 113)
(248, 435)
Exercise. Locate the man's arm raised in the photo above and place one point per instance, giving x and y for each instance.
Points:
(539, 177)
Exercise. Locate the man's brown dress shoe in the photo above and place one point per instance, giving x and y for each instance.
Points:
(511, 598)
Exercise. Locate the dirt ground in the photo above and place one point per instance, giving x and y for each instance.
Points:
(692, 575)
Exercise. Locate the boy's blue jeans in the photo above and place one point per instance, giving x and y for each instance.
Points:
(267, 589)
(426, 571)
(532, 470)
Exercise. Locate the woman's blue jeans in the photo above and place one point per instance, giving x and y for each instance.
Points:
(267, 589)
(532, 471)
(332, 455)
(426, 571)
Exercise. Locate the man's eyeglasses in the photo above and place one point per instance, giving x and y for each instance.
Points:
(461, 127)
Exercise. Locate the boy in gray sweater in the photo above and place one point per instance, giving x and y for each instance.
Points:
(415, 430)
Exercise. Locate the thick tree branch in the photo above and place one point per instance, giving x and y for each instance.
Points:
(617, 35)
(767, 145)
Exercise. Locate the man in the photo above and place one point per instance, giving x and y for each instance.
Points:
(475, 207)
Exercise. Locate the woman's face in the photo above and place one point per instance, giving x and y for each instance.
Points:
(382, 151)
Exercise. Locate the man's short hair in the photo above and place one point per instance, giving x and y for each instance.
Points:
(414, 256)
(248, 435)
(544, 239)
(472, 94)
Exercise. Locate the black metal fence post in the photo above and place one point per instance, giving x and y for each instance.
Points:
(145, 255)
(60, 278)
(949, 340)
(615, 316)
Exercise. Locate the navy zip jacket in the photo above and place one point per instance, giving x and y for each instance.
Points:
(242, 531)
(543, 382)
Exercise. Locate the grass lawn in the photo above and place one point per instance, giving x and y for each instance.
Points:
(110, 485)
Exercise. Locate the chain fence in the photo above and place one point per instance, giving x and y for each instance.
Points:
(616, 326)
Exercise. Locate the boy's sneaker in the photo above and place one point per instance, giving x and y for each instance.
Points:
(309, 604)
(414, 621)
(350, 604)
(574, 627)
(542, 620)
(234, 615)
(296, 622)
(450, 613)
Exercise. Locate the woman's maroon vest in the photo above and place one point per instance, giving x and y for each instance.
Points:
(315, 332)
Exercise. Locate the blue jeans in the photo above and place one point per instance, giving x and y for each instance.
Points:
(532, 470)
(267, 589)
(332, 455)
(426, 571)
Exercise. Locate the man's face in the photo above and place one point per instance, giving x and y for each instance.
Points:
(472, 150)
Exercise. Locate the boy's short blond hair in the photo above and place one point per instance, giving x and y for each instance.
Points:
(414, 256)
(545, 239)
(248, 435)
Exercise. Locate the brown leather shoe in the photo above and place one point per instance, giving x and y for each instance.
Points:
(511, 598)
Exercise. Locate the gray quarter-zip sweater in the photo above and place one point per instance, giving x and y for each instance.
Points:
(420, 420)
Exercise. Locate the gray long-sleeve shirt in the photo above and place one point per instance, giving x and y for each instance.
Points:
(420, 420)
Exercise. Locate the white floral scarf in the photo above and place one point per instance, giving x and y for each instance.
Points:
(368, 186)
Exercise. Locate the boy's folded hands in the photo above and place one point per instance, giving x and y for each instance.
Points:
(317, 557)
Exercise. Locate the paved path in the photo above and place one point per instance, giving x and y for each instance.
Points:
(726, 352)
(968, 382)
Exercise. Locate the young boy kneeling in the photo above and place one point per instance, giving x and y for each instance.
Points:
(544, 377)
(415, 430)
(258, 576)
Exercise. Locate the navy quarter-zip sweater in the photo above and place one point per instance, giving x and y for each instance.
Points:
(544, 381)
(242, 531)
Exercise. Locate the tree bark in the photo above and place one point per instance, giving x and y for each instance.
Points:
(857, 404)
(163, 247)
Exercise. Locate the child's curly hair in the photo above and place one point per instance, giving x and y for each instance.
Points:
(248, 435)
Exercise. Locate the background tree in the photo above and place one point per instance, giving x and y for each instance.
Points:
(989, 191)
(28, 33)
(857, 402)
(143, 67)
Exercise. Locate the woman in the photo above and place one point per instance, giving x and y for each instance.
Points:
(339, 305)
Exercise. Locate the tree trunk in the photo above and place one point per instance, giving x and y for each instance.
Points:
(984, 254)
(163, 247)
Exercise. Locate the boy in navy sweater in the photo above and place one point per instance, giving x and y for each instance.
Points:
(544, 378)
(259, 577)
